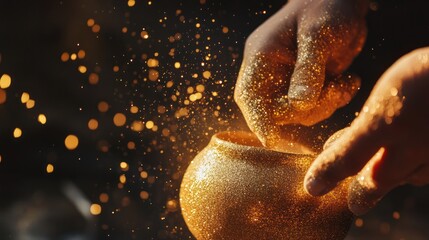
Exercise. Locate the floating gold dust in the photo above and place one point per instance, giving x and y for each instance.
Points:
(25, 97)
(17, 133)
(93, 124)
(5, 81)
(71, 142)
(42, 118)
(30, 104)
(119, 119)
(144, 35)
(49, 168)
(3, 96)
(104, 197)
(95, 209)
(103, 106)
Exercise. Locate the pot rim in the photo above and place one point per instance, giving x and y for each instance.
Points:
(246, 144)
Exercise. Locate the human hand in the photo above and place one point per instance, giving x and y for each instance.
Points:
(293, 64)
(387, 144)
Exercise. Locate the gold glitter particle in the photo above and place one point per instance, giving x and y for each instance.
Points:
(359, 222)
(152, 62)
(225, 30)
(73, 56)
(119, 119)
(82, 69)
(17, 133)
(123, 166)
(30, 104)
(90, 22)
(93, 124)
(103, 106)
(65, 56)
(71, 142)
(115, 68)
(396, 215)
(143, 174)
(96, 28)
(95, 209)
(144, 35)
(131, 3)
(93, 78)
(131, 145)
(5, 81)
(153, 75)
(49, 168)
(150, 124)
(144, 195)
(42, 118)
(25, 97)
(81, 54)
(122, 179)
(207, 74)
(137, 126)
(177, 65)
(172, 205)
(104, 197)
(3, 96)
(134, 109)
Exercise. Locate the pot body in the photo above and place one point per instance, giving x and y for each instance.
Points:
(236, 189)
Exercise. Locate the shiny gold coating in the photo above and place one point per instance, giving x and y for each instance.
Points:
(237, 189)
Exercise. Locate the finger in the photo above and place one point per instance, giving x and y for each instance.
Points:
(385, 171)
(335, 95)
(345, 158)
(309, 74)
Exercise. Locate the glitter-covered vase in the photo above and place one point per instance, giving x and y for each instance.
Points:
(236, 189)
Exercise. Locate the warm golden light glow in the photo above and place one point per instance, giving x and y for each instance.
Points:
(144, 195)
(152, 62)
(95, 209)
(93, 124)
(122, 179)
(207, 74)
(65, 56)
(144, 35)
(153, 75)
(131, 3)
(103, 106)
(124, 166)
(82, 69)
(30, 104)
(5, 81)
(71, 142)
(134, 109)
(81, 54)
(150, 124)
(93, 78)
(25, 97)
(17, 133)
(3, 96)
(119, 119)
(104, 197)
(49, 168)
(42, 118)
(137, 126)
(90, 22)
(177, 65)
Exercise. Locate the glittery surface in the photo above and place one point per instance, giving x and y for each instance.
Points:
(236, 189)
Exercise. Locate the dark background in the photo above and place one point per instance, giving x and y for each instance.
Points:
(34, 34)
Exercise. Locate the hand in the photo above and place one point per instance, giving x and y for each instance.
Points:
(293, 64)
(387, 144)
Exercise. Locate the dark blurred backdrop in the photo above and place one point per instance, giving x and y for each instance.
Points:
(166, 68)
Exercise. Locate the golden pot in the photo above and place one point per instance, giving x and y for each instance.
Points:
(236, 189)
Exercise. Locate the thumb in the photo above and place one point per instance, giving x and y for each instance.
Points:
(346, 157)
(309, 74)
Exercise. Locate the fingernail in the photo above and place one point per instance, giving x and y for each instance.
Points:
(315, 186)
